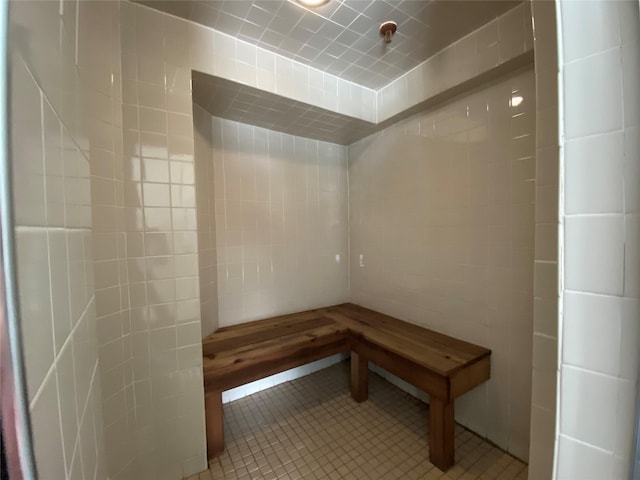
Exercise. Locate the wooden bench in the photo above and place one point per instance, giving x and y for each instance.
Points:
(442, 366)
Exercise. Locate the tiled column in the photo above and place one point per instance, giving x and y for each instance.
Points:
(205, 201)
(545, 307)
(161, 232)
(600, 203)
(99, 57)
(61, 119)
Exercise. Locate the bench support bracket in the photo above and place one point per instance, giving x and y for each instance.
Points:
(441, 433)
(215, 423)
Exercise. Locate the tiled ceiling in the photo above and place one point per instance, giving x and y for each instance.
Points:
(230, 100)
(342, 37)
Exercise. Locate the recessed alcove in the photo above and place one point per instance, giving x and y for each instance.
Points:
(427, 215)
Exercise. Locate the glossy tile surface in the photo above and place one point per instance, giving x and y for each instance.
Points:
(161, 225)
(306, 102)
(241, 103)
(503, 39)
(61, 124)
(545, 307)
(599, 232)
(206, 235)
(442, 235)
(99, 36)
(342, 37)
(281, 222)
(311, 428)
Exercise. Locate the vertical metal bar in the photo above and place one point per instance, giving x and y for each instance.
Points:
(14, 406)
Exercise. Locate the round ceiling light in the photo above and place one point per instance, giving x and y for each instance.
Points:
(312, 3)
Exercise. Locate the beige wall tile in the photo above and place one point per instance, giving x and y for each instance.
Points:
(423, 183)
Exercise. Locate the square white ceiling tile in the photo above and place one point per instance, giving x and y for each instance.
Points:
(344, 15)
(362, 24)
(347, 38)
(259, 16)
(309, 53)
(300, 34)
(227, 23)
(290, 12)
(249, 32)
(378, 11)
(272, 39)
(237, 8)
(312, 22)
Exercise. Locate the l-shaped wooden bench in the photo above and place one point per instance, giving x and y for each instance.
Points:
(442, 366)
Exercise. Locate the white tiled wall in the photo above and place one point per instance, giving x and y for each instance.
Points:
(219, 54)
(99, 56)
(281, 222)
(205, 203)
(501, 40)
(600, 322)
(442, 235)
(52, 131)
(162, 247)
(279, 216)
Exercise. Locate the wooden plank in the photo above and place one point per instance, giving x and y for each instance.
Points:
(274, 343)
(274, 361)
(359, 377)
(441, 433)
(416, 332)
(434, 384)
(263, 350)
(428, 358)
(214, 423)
(470, 377)
(450, 347)
(231, 340)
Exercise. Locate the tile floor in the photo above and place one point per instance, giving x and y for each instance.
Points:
(311, 429)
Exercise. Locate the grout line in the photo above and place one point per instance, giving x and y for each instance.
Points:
(593, 372)
(582, 442)
(82, 318)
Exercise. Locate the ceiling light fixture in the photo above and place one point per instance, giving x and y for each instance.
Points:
(515, 101)
(312, 3)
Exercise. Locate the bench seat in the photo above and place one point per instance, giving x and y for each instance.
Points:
(237, 355)
(442, 366)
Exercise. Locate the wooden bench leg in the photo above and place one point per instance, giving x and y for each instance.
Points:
(359, 377)
(441, 433)
(215, 423)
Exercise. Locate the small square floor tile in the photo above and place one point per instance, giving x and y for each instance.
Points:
(310, 428)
